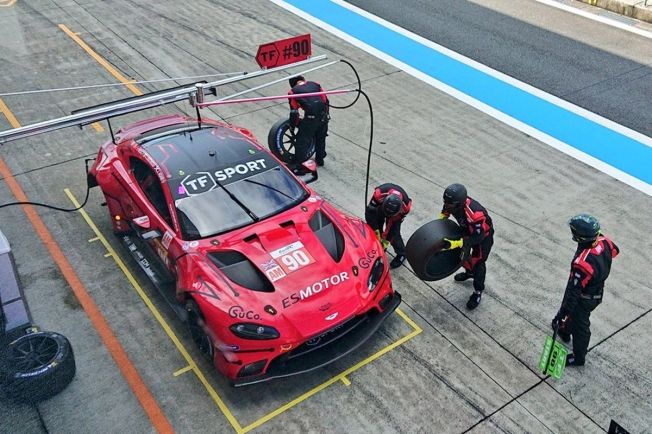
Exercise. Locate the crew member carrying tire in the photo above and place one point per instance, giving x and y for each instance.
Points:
(475, 220)
(313, 125)
(385, 212)
(589, 269)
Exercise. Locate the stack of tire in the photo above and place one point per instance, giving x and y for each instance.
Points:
(424, 250)
(36, 366)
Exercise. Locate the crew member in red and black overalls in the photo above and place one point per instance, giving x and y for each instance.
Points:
(474, 218)
(313, 125)
(589, 269)
(385, 212)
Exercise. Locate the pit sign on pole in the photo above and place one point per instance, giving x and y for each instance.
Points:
(284, 52)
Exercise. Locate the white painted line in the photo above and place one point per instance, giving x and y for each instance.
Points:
(595, 17)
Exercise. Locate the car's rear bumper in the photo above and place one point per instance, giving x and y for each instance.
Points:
(346, 338)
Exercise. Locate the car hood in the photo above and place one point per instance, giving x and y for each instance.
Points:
(312, 263)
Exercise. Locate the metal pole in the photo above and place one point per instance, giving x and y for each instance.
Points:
(270, 98)
(140, 103)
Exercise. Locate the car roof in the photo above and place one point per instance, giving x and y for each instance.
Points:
(197, 150)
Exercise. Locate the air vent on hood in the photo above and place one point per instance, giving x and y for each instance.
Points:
(329, 235)
(240, 270)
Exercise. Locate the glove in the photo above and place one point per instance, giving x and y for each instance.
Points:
(452, 244)
(442, 216)
(294, 117)
(382, 240)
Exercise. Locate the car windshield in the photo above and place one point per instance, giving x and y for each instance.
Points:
(238, 203)
(220, 179)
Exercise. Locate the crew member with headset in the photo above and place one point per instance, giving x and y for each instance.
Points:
(589, 269)
(313, 125)
(475, 220)
(385, 212)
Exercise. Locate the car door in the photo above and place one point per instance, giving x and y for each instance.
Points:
(157, 227)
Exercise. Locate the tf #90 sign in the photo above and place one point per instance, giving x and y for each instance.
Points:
(284, 52)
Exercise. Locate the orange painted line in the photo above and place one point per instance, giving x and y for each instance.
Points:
(131, 375)
(102, 61)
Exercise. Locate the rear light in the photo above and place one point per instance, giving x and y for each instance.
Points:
(254, 331)
(252, 368)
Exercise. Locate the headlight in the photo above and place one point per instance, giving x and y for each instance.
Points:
(246, 330)
(376, 273)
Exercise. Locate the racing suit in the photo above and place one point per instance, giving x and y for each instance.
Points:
(589, 270)
(313, 125)
(388, 226)
(475, 219)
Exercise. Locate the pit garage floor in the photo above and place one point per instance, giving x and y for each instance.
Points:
(433, 367)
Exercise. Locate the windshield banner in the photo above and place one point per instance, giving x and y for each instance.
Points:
(201, 182)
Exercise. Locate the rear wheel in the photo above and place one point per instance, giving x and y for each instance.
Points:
(41, 365)
(282, 140)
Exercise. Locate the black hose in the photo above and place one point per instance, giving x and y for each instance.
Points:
(56, 208)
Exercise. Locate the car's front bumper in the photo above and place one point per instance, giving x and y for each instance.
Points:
(343, 340)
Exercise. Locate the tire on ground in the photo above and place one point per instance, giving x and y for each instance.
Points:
(423, 250)
(41, 364)
(281, 140)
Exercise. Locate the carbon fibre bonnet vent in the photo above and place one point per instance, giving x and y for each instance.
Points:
(329, 235)
(240, 270)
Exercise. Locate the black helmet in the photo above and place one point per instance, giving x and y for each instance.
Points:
(392, 205)
(455, 195)
(584, 227)
(294, 80)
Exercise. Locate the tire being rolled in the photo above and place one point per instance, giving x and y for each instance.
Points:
(423, 250)
(281, 141)
(40, 364)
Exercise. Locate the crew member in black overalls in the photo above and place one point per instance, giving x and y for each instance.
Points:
(313, 125)
(475, 220)
(385, 212)
(589, 269)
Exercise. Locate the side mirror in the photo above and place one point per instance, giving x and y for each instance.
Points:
(142, 222)
(311, 168)
(149, 235)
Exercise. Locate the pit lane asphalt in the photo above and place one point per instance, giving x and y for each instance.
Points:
(463, 371)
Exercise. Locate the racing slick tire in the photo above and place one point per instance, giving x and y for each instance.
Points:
(281, 140)
(197, 329)
(423, 250)
(41, 364)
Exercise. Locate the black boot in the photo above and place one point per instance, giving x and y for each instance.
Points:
(397, 261)
(474, 300)
(461, 277)
(571, 360)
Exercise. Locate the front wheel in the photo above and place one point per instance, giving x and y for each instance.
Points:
(282, 140)
(197, 329)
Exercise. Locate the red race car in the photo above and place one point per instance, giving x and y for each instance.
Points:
(271, 279)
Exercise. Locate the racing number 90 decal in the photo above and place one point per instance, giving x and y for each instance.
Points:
(293, 256)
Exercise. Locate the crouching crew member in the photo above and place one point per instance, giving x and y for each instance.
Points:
(385, 212)
(475, 220)
(589, 270)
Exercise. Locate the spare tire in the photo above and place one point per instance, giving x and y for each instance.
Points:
(423, 250)
(41, 365)
(281, 140)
